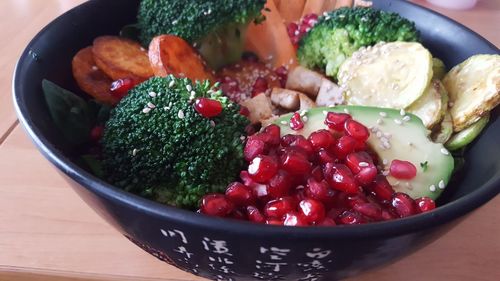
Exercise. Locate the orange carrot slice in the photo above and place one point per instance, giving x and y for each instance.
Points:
(313, 7)
(269, 39)
(291, 11)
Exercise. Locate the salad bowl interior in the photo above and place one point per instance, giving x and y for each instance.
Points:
(221, 249)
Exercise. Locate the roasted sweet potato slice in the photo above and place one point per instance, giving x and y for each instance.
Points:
(169, 54)
(90, 78)
(121, 58)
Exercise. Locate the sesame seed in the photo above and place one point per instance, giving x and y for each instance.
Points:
(380, 121)
(406, 118)
(180, 114)
(242, 138)
(325, 112)
(432, 188)
(152, 94)
(146, 110)
(171, 84)
(385, 161)
(346, 110)
(382, 114)
(331, 105)
(189, 88)
(134, 152)
(397, 121)
(193, 93)
(385, 173)
(95, 68)
(303, 112)
(174, 22)
(212, 123)
(304, 119)
(441, 184)
(374, 129)
(444, 151)
(378, 134)
(284, 122)
(151, 105)
(142, 49)
(363, 164)
(166, 108)
(402, 112)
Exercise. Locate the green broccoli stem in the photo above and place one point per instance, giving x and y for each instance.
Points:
(223, 46)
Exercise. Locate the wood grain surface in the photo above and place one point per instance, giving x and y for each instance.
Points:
(48, 233)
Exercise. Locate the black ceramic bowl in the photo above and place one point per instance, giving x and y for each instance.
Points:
(231, 250)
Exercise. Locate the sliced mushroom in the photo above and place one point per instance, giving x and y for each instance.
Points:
(329, 94)
(306, 102)
(285, 98)
(260, 108)
(304, 80)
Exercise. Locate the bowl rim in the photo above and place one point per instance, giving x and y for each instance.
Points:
(441, 215)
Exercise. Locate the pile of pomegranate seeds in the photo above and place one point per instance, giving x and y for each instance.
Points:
(297, 30)
(327, 179)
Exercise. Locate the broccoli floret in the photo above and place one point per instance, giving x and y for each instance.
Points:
(216, 28)
(157, 145)
(338, 34)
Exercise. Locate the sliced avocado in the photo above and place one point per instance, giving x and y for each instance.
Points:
(408, 141)
(467, 135)
(438, 69)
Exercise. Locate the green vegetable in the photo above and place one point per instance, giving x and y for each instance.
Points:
(71, 113)
(424, 165)
(341, 32)
(467, 135)
(217, 28)
(158, 146)
(131, 31)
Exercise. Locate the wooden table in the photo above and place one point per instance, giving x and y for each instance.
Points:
(48, 233)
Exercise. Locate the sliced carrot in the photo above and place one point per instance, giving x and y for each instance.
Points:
(169, 54)
(291, 11)
(269, 40)
(313, 7)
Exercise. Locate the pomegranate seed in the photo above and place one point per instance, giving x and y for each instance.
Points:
(321, 139)
(272, 134)
(370, 210)
(344, 146)
(279, 185)
(340, 178)
(120, 87)
(350, 217)
(353, 200)
(296, 122)
(387, 215)
(324, 156)
(96, 133)
(310, 19)
(274, 222)
(282, 73)
(366, 175)
(356, 161)
(216, 205)
(303, 144)
(333, 213)
(263, 168)
(246, 179)
(312, 211)
(295, 163)
(317, 173)
(402, 169)
(294, 219)
(279, 207)
(240, 194)
(253, 147)
(425, 204)
(356, 130)
(336, 121)
(244, 111)
(207, 108)
(255, 215)
(250, 130)
(403, 204)
(381, 188)
(319, 190)
(260, 86)
(327, 222)
(298, 195)
(291, 29)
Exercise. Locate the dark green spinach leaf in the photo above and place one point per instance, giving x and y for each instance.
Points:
(131, 31)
